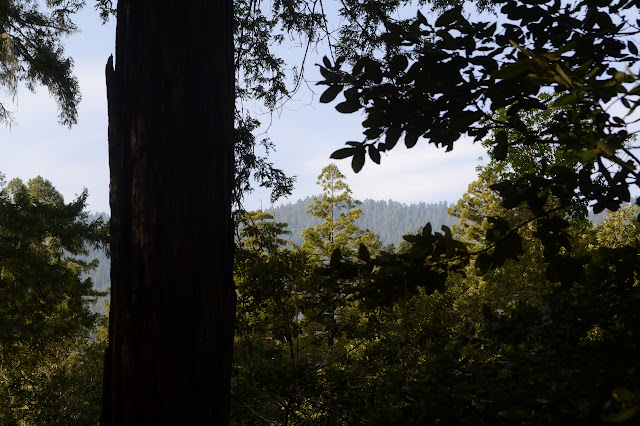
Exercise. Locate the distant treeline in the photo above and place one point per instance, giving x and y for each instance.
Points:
(389, 219)
(101, 275)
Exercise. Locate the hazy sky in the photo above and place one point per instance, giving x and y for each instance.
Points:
(305, 133)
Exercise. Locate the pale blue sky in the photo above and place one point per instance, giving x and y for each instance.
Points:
(76, 158)
(305, 133)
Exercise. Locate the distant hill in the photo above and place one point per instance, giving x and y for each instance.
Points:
(101, 275)
(389, 219)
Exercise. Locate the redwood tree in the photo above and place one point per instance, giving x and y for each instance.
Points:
(171, 103)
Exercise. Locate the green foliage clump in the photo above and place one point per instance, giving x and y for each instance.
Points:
(296, 331)
(49, 370)
(338, 214)
(285, 317)
(31, 52)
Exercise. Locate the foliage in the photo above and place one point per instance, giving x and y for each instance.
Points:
(564, 351)
(105, 9)
(362, 31)
(31, 52)
(295, 330)
(507, 346)
(474, 209)
(621, 228)
(49, 371)
(59, 385)
(514, 347)
(336, 209)
(520, 158)
(100, 275)
(290, 332)
(251, 165)
(520, 279)
(262, 232)
(450, 77)
(262, 76)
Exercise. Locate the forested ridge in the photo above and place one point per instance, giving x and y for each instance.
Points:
(389, 219)
(100, 274)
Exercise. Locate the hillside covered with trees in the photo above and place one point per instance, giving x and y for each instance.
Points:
(390, 220)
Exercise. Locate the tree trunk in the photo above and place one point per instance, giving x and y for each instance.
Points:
(171, 100)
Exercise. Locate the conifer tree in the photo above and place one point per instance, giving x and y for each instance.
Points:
(260, 232)
(337, 210)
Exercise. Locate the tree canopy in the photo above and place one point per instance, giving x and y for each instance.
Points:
(32, 53)
(569, 67)
(338, 214)
(442, 80)
(48, 368)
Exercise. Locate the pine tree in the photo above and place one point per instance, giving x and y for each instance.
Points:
(337, 210)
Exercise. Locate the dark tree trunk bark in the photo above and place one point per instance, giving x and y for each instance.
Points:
(171, 100)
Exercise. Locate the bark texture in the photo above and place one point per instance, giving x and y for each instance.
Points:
(171, 100)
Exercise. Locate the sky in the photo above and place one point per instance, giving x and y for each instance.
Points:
(305, 134)
(37, 145)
